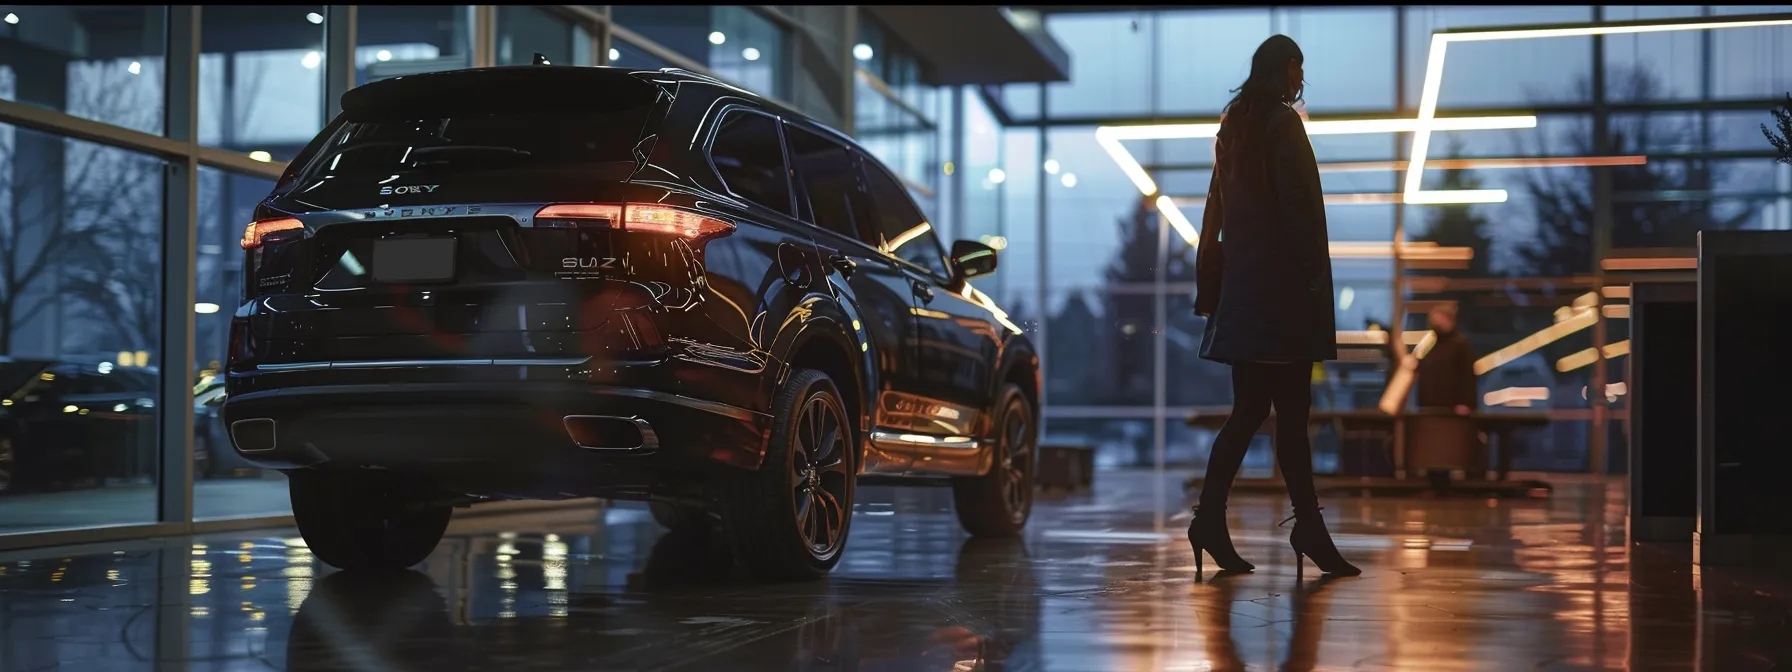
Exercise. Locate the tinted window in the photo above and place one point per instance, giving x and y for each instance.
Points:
(905, 232)
(825, 176)
(750, 158)
(439, 136)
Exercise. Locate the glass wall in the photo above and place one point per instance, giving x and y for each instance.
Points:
(1640, 141)
(95, 221)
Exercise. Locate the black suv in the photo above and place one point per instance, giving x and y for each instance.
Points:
(545, 282)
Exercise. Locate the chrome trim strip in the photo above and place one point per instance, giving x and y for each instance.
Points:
(419, 363)
(894, 440)
(715, 407)
(649, 440)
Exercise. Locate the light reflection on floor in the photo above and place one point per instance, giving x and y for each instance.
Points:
(1103, 581)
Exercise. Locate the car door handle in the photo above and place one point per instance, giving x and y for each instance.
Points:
(844, 264)
(924, 292)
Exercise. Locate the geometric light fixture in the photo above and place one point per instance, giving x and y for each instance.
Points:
(1110, 137)
(1434, 68)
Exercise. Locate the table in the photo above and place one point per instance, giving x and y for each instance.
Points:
(1499, 425)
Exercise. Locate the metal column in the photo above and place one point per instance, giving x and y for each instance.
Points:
(179, 231)
(339, 56)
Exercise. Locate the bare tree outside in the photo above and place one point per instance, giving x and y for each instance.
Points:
(1782, 140)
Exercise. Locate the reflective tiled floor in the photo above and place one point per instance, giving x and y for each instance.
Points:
(1102, 582)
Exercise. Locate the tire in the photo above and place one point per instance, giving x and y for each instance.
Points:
(998, 503)
(789, 520)
(202, 457)
(680, 519)
(9, 466)
(362, 521)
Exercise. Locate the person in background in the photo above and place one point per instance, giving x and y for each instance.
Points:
(1447, 373)
(1263, 279)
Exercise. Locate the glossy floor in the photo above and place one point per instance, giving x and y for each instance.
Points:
(1101, 582)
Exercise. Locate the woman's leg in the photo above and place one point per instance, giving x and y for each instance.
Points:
(1294, 452)
(1251, 398)
(1293, 392)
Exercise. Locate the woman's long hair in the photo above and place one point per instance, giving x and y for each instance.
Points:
(1268, 83)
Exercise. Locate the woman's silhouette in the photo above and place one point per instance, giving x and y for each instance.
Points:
(1264, 283)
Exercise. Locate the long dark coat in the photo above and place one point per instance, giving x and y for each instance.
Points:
(1263, 269)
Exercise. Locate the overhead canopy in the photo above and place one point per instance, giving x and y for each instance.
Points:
(964, 44)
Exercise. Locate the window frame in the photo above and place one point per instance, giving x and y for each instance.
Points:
(709, 156)
(868, 163)
(807, 216)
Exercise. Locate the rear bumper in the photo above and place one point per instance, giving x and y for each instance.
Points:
(490, 438)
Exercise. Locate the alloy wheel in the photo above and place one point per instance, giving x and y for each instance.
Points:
(821, 475)
(1017, 458)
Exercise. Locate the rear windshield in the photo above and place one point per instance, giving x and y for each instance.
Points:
(463, 130)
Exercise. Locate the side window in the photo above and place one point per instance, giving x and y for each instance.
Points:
(906, 233)
(750, 158)
(825, 176)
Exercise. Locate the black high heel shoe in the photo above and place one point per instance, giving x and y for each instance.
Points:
(1311, 540)
(1208, 533)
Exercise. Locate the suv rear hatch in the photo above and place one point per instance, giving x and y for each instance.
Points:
(420, 202)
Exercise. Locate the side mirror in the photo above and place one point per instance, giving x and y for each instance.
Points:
(972, 259)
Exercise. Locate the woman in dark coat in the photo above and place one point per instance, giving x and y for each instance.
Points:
(1264, 283)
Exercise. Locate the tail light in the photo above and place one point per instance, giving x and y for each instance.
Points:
(639, 217)
(256, 232)
(239, 341)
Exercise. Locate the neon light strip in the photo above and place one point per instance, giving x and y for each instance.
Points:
(1589, 355)
(1488, 164)
(1434, 72)
(1526, 345)
(1650, 264)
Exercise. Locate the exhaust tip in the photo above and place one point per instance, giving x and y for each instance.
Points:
(605, 432)
(253, 435)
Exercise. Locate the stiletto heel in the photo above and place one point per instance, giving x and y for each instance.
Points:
(1208, 533)
(1311, 540)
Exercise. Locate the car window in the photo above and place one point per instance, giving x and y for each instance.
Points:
(906, 233)
(84, 380)
(828, 182)
(750, 158)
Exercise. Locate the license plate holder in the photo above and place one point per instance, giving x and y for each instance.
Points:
(414, 260)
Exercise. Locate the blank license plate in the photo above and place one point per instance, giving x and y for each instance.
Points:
(413, 259)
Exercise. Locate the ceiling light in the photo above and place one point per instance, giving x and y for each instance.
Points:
(383, 55)
(997, 175)
(315, 18)
(615, 55)
(717, 38)
(862, 51)
(1051, 166)
(1069, 179)
(750, 54)
(12, 18)
(135, 68)
(312, 59)
(1177, 220)
(1434, 73)
(259, 155)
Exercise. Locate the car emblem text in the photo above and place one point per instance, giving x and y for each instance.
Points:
(412, 189)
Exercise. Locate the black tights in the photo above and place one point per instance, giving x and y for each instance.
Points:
(1256, 387)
